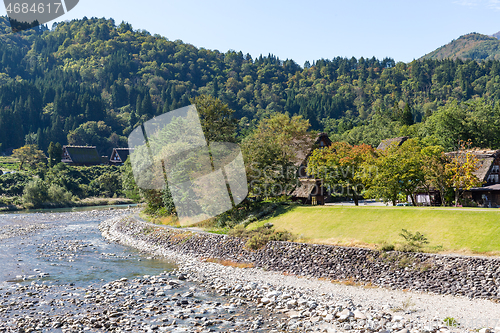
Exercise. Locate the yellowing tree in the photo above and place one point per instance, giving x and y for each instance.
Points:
(29, 154)
(461, 168)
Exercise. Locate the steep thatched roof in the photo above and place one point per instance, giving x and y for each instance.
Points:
(305, 188)
(81, 155)
(486, 159)
(120, 155)
(387, 142)
(304, 148)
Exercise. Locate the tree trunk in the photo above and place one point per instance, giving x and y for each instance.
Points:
(412, 200)
(456, 196)
(355, 198)
(441, 193)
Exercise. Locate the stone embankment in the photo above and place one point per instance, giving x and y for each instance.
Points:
(474, 277)
(313, 304)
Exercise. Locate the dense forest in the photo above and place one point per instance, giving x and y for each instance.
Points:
(91, 81)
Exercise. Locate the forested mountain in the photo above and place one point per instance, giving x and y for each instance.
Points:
(91, 81)
(471, 46)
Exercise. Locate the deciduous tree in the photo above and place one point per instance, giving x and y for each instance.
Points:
(29, 154)
(343, 167)
(464, 163)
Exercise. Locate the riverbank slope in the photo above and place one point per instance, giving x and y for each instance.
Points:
(426, 288)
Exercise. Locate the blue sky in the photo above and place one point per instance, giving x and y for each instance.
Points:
(300, 30)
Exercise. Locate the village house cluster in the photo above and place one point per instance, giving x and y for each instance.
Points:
(88, 156)
(310, 190)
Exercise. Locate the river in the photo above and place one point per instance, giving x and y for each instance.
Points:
(58, 274)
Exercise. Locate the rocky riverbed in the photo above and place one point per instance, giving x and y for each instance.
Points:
(60, 276)
(372, 302)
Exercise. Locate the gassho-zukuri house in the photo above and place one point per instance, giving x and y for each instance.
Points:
(487, 195)
(82, 156)
(309, 190)
(119, 155)
(488, 172)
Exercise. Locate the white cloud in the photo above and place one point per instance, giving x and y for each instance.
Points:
(468, 3)
(494, 4)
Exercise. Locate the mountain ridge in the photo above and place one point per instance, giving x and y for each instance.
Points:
(474, 46)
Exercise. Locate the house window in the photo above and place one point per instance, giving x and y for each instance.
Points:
(495, 169)
(493, 178)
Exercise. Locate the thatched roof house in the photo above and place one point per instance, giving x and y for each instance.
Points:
(119, 155)
(81, 155)
(488, 172)
(304, 149)
(309, 190)
(384, 144)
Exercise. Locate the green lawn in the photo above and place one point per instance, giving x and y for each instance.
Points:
(458, 230)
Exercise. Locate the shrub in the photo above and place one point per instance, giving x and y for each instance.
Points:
(258, 238)
(406, 248)
(416, 240)
(281, 236)
(35, 193)
(387, 247)
(58, 194)
(257, 241)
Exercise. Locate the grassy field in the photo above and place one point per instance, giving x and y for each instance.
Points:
(464, 230)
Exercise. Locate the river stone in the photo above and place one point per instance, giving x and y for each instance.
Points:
(359, 315)
(291, 304)
(265, 300)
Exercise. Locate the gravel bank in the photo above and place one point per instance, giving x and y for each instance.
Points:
(85, 300)
(316, 304)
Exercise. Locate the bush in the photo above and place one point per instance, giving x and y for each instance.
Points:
(38, 193)
(258, 238)
(257, 241)
(281, 236)
(13, 184)
(387, 247)
(416, 240)
(35, 193)
(58, 194)
(406, 248)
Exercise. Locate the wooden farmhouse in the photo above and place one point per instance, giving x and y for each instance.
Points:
(82, 156)
(488, 172)
(309, 190)
(119, 155)
(487, 195)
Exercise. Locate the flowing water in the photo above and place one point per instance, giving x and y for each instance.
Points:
(66, 247)
(64, 251)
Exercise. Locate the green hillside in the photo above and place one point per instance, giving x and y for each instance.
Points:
(471, 46)
(91, 81)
